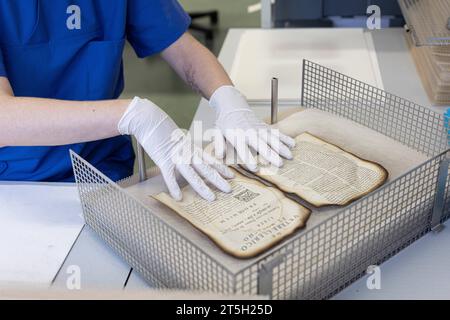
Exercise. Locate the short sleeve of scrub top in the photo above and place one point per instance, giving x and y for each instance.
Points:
(153, 25)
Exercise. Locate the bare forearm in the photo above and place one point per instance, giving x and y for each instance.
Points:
(196, 65)
(46, 122)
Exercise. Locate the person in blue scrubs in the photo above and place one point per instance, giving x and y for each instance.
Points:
(61, 75)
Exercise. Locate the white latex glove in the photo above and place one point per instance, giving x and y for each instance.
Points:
(172, 151)
(234, 117)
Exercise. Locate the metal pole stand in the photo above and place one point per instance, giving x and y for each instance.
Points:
(274, 102)
(141, 162)
(439, 200)
(265, 274)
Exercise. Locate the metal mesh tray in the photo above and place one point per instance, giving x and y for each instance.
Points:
(428, 20)
(320, 261)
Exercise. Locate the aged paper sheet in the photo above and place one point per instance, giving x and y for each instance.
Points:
(245, 222)
(323, 174)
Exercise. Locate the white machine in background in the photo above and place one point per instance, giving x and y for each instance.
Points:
(326, 13)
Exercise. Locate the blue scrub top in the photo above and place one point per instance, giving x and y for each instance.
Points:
(72, 50)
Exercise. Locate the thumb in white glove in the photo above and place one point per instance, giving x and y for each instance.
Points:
(243, 130)
(172, 151)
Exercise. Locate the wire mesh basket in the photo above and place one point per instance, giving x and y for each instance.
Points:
(322, 260)
(428, 21)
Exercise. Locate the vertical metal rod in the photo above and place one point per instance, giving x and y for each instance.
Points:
(274, 102)
(141, 162)
(302, 103)
(265, 274)
(439, 201)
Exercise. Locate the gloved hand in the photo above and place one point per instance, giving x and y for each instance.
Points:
(172, 151)
(242, 129)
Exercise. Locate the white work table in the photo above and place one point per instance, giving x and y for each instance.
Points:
(420, 271)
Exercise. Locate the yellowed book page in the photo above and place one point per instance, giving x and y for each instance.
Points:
(323, 174)
(247, 221)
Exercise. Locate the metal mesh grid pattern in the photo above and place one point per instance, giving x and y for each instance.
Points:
(428, 20)
(152, 247)
(413, 125)
(330, 256)
(446, 213)
(318, 262)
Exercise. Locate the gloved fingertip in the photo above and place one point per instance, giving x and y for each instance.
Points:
(219, 154)
(288, 141)
(177, 196)
(225, 187)
(228, 173)
(220, 150)
(274, 159)
(292, 144)
(278, 162)
(209, 196)
(172, 185)
(286, 153)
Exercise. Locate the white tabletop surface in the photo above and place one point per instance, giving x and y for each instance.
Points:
(263, 54)
(419, 271)
(39, 222)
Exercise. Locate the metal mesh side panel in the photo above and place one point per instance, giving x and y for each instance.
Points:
(446, 213)
(411, 124)
(319, 261)
(147, 243)
(327, 258)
